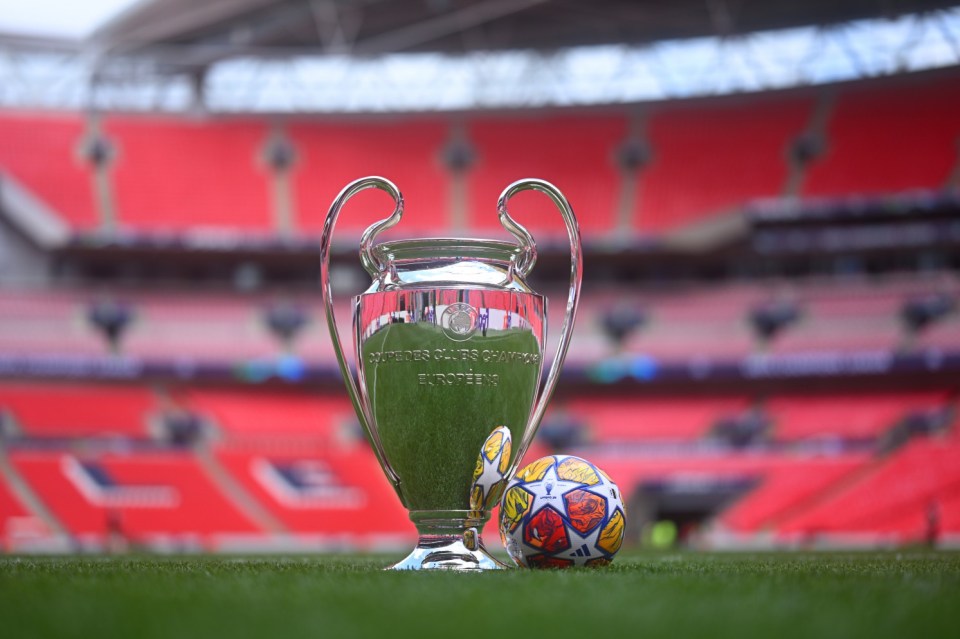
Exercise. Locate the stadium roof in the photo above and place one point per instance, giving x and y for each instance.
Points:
(371, 56)
(371, 27)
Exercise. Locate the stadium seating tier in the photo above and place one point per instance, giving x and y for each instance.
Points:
(78, 410)
(870, 151)
(575, 153)
(338, 493)
(330, 155)
(173, 175)
(42, 152)
(139, 495)
(710, 158)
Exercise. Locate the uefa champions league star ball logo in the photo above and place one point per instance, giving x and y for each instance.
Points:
(459, 321)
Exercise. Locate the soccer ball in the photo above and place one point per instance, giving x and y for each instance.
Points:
(562, 511)
(490, 473)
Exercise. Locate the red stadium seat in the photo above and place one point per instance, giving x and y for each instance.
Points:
(273, 416)
(788, 487)
(610, 419)
(147, 495)
(711, 158)
(575, 153)
(330, 155)
(891, 498)
(173, 174)
(943, 335)
(335, 494)
(42, 153)
(18, 525)
(862, 416)
(78, 410)
(889, 136)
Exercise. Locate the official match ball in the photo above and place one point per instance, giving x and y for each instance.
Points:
(562, 511)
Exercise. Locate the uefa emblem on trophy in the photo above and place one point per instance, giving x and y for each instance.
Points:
(449, 349)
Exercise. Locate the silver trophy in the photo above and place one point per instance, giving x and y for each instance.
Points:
(449, 346)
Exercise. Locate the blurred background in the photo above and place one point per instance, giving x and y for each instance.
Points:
(768, 348)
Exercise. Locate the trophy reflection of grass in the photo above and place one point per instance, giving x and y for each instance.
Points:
(433, 416)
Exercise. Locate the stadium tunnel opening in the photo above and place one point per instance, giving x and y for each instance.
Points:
(670, 512)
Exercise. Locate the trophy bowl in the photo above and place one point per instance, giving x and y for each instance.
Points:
(448, 355)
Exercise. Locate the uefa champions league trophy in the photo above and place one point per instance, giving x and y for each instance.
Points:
(448, 344)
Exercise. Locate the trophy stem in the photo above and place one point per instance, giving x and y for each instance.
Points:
(449, 540)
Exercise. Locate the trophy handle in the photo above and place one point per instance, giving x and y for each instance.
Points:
(374, 264)
(524, 264)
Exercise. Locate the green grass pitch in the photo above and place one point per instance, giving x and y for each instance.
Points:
(640, 595)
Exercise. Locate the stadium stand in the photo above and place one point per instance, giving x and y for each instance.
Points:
(43, 322)
(616, 420)
(893, 496)
(943, 335)
(147, 495)
(77, 409)
(688, 322)
(678, 340)
(582, 153)
(709, 158)
(18, 525)
(814, 334)
(864, 416)
(331, 155)
(869, 151)
(174, 175)
(199, 327)
(787, 488)
(292, 456)
(701, 159)
(275, 417)
(805, 464)
(41, 151)
(339, 493)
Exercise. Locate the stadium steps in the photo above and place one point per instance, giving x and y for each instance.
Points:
(30, 215)
(233, 491)
(21, 491)
(825, 494)
(920, 473)
(833, 491)
(783, 487)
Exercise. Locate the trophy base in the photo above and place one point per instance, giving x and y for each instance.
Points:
(435, 552)
(449, 540)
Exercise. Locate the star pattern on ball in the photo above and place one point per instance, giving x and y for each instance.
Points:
(549, 491)
(491, 475)
(583, 545)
